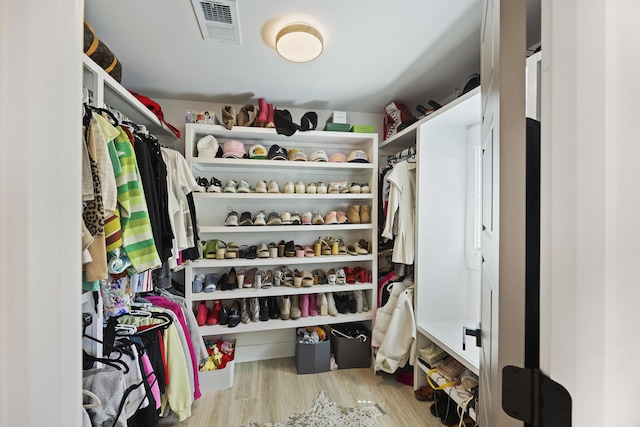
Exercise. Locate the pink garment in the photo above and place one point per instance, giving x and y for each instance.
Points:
(165, 303)
(151, 378)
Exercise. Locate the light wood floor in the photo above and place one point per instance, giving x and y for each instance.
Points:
(271, 390)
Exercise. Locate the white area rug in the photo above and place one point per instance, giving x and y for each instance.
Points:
(326, 413)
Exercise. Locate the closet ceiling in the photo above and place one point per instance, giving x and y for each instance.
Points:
(375, 51)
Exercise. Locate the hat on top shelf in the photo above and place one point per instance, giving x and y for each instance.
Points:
(258, 151)
(297, 155)
(358, 156)
(208, 146)
(338, 158)
(234, 149)
(277, 153)
(319, 156)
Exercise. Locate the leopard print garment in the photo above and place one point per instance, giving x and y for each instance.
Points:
(93, 210)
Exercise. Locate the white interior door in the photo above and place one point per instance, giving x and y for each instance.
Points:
(503, 237)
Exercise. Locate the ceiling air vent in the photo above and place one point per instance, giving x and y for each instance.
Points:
(218, 20)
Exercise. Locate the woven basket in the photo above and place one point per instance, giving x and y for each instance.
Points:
(101, 54)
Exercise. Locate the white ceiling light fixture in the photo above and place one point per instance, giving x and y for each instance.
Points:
(299, 42)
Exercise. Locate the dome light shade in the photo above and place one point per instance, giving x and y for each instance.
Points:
(299, 43)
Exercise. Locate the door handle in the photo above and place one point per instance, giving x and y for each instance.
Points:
(472, 332)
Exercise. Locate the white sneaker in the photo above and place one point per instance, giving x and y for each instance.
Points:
(273, 187)
(334, 188)
(261, 187)
(289, 188)
(300, 187)
(321, 188)
(259, 219)
(231, 186)
(364, 188)
(285, 217)
(355, 188)
(312, 188)
(243, 187)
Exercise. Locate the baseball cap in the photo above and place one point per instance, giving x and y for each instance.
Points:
(207, 146)
(358, 156)
(258, 151)
(296, 155)
(319, 156)
(277, 153)
(234, 149)
(338, 158)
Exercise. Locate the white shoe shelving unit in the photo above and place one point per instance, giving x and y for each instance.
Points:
(276, 337)
(448, 208)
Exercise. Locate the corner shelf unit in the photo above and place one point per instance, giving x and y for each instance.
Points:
(448, 209)
(212, 210)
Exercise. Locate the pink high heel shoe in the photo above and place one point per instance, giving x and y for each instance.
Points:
(263, 113)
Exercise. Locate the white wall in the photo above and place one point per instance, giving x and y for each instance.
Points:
(174, 111)
(590, 201)
(40, 133)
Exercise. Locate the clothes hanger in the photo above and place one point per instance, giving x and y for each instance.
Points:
(95, 400)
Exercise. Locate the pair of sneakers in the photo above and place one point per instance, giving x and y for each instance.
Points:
(241, 186)
(297, 188)
(244, 219)
(212, 186)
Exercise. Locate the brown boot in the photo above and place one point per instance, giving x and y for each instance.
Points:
(353, 213)
(365, 211)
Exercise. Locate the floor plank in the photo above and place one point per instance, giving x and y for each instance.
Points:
(271, 390)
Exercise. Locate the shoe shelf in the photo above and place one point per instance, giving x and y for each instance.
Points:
(257, 262)
(280, 196)
(274, 324)
(212, 210)
(279, 229)
(276, 291)
(456, 393)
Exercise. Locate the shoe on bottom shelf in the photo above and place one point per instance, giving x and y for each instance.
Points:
(285, 307)
(214, 315)
(245, 313)
(446, 410)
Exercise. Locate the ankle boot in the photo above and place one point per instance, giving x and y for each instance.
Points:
(263, 113)
(264, 309)
(323, 304)
(365, 303)
(295, 307)
(214, 315)
(357, 295)
(201, 316)
(228, 116)
(254, 309)
(313, 309)
(274, 310)
(331, 305)
(245, 315)
(270, 116)
(304, 305)
(365, 214)
(285, 307)
(353, 213)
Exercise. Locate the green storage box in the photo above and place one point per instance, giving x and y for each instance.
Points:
(337, 127)
(363, 128)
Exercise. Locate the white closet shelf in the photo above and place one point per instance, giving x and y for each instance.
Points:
(282, 196)
(206, 165)
(242, 262)
(281, 228)
(448, 336)
(273, 324)
(320, 139)
(276, 291)
(407, 137)
(456, 393)
(106, 90)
